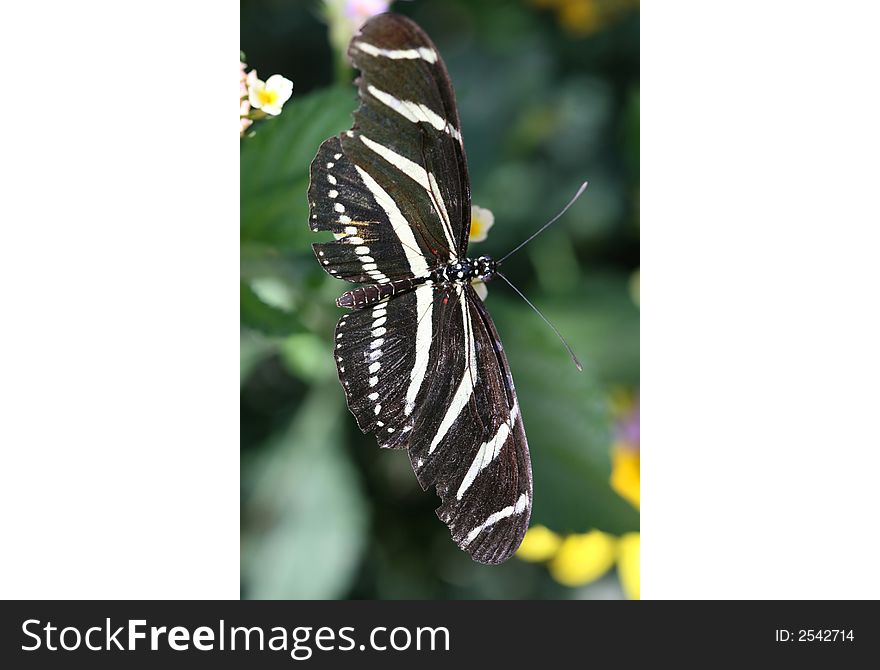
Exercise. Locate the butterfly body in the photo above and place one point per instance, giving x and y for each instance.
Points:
(459, 271)
(418, 355)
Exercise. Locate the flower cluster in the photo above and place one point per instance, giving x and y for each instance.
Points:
(244, 105)
(257, 98)
(581, 558)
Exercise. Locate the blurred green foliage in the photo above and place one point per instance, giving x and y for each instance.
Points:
(325, 513)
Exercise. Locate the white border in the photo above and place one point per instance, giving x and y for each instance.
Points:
(760, 327)
(118, 267)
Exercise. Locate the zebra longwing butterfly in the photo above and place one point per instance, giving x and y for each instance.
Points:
(418, 356)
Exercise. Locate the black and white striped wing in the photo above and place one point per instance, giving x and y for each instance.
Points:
(426, 371)
(468, 439)
(382, 361)
(394, 189)
(374, 244)
(407, 135)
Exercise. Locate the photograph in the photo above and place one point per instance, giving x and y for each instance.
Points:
(412, 436)
(440, 300)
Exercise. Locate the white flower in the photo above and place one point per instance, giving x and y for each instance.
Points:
(270, 95)
(481, 222)
(481, 289)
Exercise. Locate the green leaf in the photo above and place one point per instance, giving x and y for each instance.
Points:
(309, 357)
(253, 348)
(266, 318)
(275, 166)
(568, 424)
(304, 514)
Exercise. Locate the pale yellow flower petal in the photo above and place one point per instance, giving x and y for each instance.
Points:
(583, 558)
(539, 544)
(629, 551)
(481, 289)
(481, 221)
(256, 88)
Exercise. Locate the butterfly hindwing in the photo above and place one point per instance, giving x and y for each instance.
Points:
(468, 440)
(375, 350)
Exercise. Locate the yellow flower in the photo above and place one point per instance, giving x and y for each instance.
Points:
(539, 544)
(584, 17)
(625, 459)
(628, 553)
(583, 558)
(481, 221)
(580, 16)
(625, 473)
(270, 96)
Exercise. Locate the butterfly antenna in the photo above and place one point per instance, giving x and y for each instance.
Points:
(546, 320)
(546, 225)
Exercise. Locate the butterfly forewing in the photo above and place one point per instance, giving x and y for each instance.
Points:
(423, 368)
(368, 248)
(407, 133)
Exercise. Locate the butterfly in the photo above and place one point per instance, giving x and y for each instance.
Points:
(418, 355)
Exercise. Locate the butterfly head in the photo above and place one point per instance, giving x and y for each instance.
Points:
(485, 268)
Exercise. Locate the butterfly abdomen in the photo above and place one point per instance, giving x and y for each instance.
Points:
(364, 296)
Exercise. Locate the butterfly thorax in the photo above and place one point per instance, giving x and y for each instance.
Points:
(465, 270)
